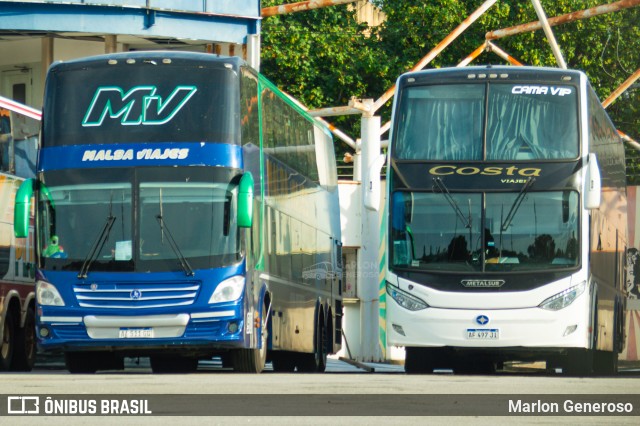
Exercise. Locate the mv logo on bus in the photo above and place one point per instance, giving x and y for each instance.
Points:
(141, 105)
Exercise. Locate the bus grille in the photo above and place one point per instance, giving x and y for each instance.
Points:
(136, 296)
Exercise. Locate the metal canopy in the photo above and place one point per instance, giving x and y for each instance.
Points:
(142, 21)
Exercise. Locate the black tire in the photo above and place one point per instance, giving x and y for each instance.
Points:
(474, 366)
(315, 362)
(80, 362)
(90, 362)
(605, 363)
(173, 364)
(416, 361)
(24, 355)
(252, 360)
(283, 361)
(425, 360)
(226, 360)
(578, 362)
(7, 346)
(249, 360)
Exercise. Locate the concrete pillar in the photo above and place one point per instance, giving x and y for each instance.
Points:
(253, 51)
(47, 55)
(110, 43)
(368, 261)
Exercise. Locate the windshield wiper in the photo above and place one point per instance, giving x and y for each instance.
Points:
(174, 246)
(96, 248)
(516, 204)
(466, 221)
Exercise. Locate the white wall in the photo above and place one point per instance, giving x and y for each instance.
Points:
(24, 57)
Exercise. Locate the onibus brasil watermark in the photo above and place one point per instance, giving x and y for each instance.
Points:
(75, 405)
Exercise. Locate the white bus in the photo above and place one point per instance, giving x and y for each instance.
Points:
(507, 222)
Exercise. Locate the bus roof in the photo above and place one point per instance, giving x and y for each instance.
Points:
(491, 72)
(157, 56)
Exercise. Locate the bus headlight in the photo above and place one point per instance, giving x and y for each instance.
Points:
(405, 299)
(48, 295)
(563, 299)
(228, 290)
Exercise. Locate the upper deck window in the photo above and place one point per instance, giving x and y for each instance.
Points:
(523, 122)
(440, 123)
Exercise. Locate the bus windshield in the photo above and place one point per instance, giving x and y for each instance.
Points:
(523, 122)
(128, 217)
(524, 231)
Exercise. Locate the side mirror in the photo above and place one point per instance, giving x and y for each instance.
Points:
(593, 184)
(22, 210)
(245, 201)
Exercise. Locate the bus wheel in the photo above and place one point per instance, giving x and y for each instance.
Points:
(283, 361)
(425, 360)
(578, 362)
(605, 363)
(90, 362)
(251, 360)
(474, 366)
(8, 341)
(80, 362)
(173, 364)
(24, 356)
(315, 362)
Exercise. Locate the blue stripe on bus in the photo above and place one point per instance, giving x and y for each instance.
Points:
(140, 154)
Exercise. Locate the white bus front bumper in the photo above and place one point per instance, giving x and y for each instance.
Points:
(505, 328)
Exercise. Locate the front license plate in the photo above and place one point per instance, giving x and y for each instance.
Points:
(136, 333)
(483, 333)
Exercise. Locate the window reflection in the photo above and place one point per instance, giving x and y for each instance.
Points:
(426, 233)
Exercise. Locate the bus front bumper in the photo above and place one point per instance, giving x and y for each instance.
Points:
(489, 328)
(217, 330)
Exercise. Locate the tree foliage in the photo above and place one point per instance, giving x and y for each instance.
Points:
(324, 57)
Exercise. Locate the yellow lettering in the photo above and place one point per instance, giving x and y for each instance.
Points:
(529, 172)
(487, 171)
(472, 171)
(492, 171)
(436, 170)
(510, 170)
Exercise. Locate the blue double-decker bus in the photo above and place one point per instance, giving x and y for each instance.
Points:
(178, 199)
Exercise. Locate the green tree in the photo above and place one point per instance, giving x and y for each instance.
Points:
(606, 47)
(324, 57)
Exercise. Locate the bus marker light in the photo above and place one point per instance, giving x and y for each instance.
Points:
(570, 330)
(398, 329)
